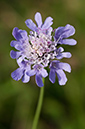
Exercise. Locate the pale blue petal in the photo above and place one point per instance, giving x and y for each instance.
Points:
(48, 22)
(64, 66)
(69, 42)
(38, 19)
(61, 77)
(25, 78)
(43, 72)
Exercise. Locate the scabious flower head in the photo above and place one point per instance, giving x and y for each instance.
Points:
(40, 49)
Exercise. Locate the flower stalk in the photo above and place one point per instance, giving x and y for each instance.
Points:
(38, 110)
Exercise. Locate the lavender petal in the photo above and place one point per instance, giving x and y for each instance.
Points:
(38, 79)
(52, 76)
(64, 54)
(15, 54)
(61, 77)
(69, 42)
(43, 72)
(17, 74)
(64, 66)
(38, 19)
(30, 24)
(48, 22)
(25, 78)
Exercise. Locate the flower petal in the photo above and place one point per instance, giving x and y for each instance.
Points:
(25, 78)
(69, 42)
(19, 34)
(64, 54)
(17, 74)
(39, 81)
(52, 76)
(38, 19)
(13, 43)
(43, 72)
(48, 22)
(30, 24)
(15, 54)
(64, 32)
(31, 72)
(19, 60)
(68, 31)
(64, 66)
(61, 77)
(60, 49)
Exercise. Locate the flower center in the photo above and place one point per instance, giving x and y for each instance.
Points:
(41, 48)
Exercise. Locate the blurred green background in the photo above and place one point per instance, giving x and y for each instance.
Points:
(63, 107)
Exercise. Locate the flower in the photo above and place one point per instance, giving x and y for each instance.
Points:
(41, 49)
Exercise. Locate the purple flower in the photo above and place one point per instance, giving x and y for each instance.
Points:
(39, 50)
(61, 33)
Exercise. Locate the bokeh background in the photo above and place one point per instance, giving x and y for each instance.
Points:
(63, 106)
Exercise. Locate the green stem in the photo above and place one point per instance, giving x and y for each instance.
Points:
(37, 114)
